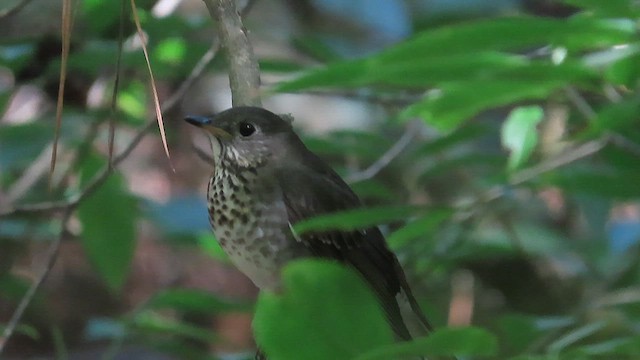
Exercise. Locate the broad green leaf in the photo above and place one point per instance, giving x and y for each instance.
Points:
(469, 341)
(523, 34)
(472, 51)
(356, 219)
(325, 311)
(429, 71)
(519, 134)
(422, 227)
(108, 225)
(454, 103)
(193, 301)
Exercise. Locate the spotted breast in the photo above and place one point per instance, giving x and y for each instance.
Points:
(246, 214)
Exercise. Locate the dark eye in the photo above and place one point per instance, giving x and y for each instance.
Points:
(246, 129)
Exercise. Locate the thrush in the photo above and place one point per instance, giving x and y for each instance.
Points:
(264, 181)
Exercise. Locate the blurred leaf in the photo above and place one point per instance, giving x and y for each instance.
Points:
(619, 116)
(108, 219)
(609, 8)
(454, 103)
(518, 331)
(132, 100)
(371, 189)
(444, 54)
(601, 182)
(171, 50)
(575, 335)
(625, 71)
(356, 219)
(15, 151)
(524, 33)
(520, 135)
(469, 341)
(193, 301)
(211, 246)
(279, 66)
(155, 323)
(340, 316)
(423, 227)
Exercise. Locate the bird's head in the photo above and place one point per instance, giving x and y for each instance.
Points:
(245, 137)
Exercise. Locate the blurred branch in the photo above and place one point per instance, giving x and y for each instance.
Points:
(386, 158)
(14, 9)
(244, 73)
(51, 256)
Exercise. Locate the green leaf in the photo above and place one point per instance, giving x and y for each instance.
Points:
(519, 134)
(211, 246)
(523, 34)
(193, 301)
(324, 312)
(150, 322)
(108, 225)
(422, 227)
(625, 71)
(472, 51)
(621, 116)
(356, 219)
(454, 103)
(469, 341)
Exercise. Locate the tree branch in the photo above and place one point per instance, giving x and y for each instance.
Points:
(386, 158)
(244, 73)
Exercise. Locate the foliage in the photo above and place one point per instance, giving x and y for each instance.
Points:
(523, 176)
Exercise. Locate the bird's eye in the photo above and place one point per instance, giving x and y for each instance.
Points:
(246, 129)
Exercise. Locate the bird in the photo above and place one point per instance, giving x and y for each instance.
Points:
(265, 180)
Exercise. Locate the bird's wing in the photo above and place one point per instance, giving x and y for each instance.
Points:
(316, 189)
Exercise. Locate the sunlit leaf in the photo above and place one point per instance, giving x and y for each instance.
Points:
(519, 134)
(450, 106)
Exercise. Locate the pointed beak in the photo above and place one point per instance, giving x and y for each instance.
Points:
(206, 123)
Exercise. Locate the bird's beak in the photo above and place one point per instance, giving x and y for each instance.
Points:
(206, 123)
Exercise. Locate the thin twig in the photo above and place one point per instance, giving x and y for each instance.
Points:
(244, 73)
(569, 156)
(580, 103)
(386, 158)
(170, 103)
(51, 257)
(14, 9)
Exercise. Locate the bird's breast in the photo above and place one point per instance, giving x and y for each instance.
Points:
(249, 221)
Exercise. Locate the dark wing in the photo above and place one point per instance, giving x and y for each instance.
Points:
(313, 189)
